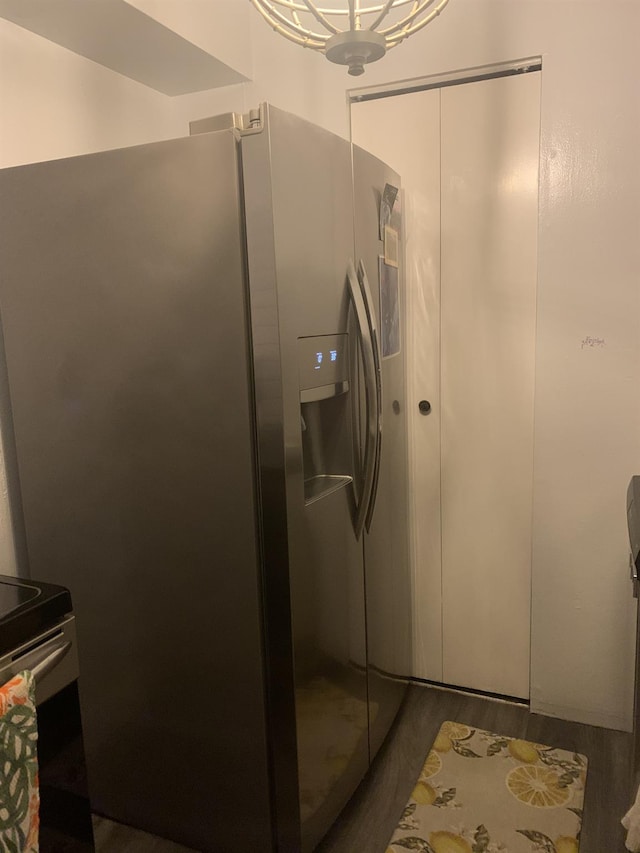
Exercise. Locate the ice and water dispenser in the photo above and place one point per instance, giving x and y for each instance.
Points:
(325, 419)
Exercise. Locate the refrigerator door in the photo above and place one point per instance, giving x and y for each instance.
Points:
(123, 302)
(298, 203)
(633, 525)
(387, 570)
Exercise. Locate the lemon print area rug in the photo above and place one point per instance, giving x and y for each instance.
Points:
(480, 792)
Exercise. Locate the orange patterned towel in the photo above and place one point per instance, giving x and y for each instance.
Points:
(19, 797)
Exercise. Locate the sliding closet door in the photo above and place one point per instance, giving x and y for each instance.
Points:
(404, 131)
(468, 157)
(489, 202)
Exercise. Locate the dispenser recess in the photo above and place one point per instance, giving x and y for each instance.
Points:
(323, 369)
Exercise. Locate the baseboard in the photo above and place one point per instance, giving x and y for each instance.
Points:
(468, 691)
(603, 719)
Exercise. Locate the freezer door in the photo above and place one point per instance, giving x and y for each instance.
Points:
(123, 302)
(387, 570)
(298, 202)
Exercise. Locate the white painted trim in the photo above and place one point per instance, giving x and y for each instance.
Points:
(450, 78)
(590, 717)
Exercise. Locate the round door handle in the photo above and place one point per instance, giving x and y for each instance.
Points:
(424, 406)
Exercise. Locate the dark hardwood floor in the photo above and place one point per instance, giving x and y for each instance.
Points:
(113, 837)
(367, 823)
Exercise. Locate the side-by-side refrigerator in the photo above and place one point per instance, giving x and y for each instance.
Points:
(204, 427)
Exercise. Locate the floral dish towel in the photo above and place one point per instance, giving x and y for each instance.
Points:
(19, 796)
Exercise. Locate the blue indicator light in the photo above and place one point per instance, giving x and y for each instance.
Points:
(319, 357)
(334, 354)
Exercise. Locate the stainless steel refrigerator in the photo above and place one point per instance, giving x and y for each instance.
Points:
(204, 426)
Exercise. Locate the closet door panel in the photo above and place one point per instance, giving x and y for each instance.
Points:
(490, 151)
(404, 131)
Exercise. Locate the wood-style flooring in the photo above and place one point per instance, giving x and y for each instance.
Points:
(369, 820)
(113, 837)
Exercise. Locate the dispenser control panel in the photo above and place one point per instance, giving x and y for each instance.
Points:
(322, 361)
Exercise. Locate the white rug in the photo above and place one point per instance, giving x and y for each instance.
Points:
(480, 792)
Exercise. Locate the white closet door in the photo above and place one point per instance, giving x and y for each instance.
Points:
(404, 131)
(489, 198)
(473, 358)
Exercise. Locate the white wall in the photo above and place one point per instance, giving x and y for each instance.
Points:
(54, 104)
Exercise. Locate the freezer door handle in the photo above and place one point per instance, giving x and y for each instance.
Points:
(369, 367)
(377, 360)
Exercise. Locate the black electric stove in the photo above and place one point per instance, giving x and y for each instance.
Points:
(27, 608)
(37, 633)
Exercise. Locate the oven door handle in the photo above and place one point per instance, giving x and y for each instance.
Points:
(49, 661)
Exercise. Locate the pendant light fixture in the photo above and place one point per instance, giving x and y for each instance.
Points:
(349, 32)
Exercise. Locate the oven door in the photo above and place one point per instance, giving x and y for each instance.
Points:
(65, 812)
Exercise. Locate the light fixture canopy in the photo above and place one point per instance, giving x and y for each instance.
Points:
(349, 32)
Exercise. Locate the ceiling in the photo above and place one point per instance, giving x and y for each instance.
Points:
(119, 36)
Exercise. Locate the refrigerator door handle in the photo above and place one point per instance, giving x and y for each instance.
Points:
(367, 348)
(377, 359)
